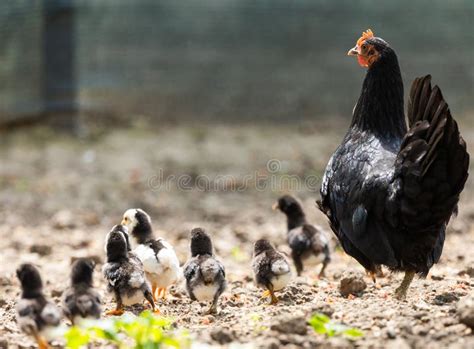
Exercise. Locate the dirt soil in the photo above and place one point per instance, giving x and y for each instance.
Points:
(60, 196)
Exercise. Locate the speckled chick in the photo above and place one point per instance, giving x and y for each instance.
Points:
(270, 268)
(309, 244)
(124, 272)
(35, 315)
(80, 299)
(159, 259)
(204, 274)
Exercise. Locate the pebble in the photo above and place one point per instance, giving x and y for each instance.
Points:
(391, 333)
(5, 281)
(398, 344)
(222, 335)
(296, 325)
(467, 271)
(63, 219)
(42, 250)
(352, 283)
(465, 311)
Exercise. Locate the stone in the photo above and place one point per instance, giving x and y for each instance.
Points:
(222, 336)
(352, 283)
(295, 325)
(465, 311)
(63, 219)
(42, 250)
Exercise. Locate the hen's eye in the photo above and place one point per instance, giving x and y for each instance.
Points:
(364, 46)
(371, 52)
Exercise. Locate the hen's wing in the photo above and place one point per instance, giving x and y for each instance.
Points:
(430, 171)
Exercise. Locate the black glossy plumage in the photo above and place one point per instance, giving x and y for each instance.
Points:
(389, 193)
(304, 239)
(81, 300)
(204, 274)
(34, 313)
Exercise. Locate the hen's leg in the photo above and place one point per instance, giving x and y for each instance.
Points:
(401, 291)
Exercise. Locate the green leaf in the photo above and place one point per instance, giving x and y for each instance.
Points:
(76, 338)
(353, 333)
(322, 324)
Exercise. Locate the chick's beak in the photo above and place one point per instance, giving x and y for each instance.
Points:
(124, 222)
(353, 51)
(275, 206)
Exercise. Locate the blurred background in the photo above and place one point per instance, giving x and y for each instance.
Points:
(219, 60)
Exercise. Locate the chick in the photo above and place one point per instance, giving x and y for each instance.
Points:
(271, 269)
(35, 315)
(204, 274)
(124, 272)
(159, 259)
(309, 244)
(80, 299)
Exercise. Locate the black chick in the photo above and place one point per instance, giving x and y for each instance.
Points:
(308, 243)
(80, 299)
(124, 272)
(204, 274)
(35, 315)
(270, 268)
(390, 189)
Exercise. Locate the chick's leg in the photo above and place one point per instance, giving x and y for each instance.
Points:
(149, 298)
(42, 342)
(163, 293)
(153, 292)
(322, 273)
(270, 292)
(401, 291)
(298, 263)
(213, 308)
(274, 299)
(118, 308)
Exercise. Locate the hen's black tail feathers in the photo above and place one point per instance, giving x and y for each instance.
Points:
(432, 162)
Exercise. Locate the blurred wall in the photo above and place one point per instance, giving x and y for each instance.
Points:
(239, 60)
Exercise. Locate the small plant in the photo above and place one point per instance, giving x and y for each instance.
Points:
(322, 324)
(238, 255)
(256, 323)
(140, 332)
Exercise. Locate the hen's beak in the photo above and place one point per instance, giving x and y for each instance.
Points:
(275, 206)
(353, 51)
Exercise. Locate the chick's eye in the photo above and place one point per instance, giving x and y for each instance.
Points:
(371, 52)
(364, 46)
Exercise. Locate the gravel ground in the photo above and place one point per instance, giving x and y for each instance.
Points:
(59, 197)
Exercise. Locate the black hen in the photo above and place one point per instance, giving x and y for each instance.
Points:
(389, 192)
(307, 242)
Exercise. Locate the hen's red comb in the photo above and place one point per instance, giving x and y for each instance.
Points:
(365, 35)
